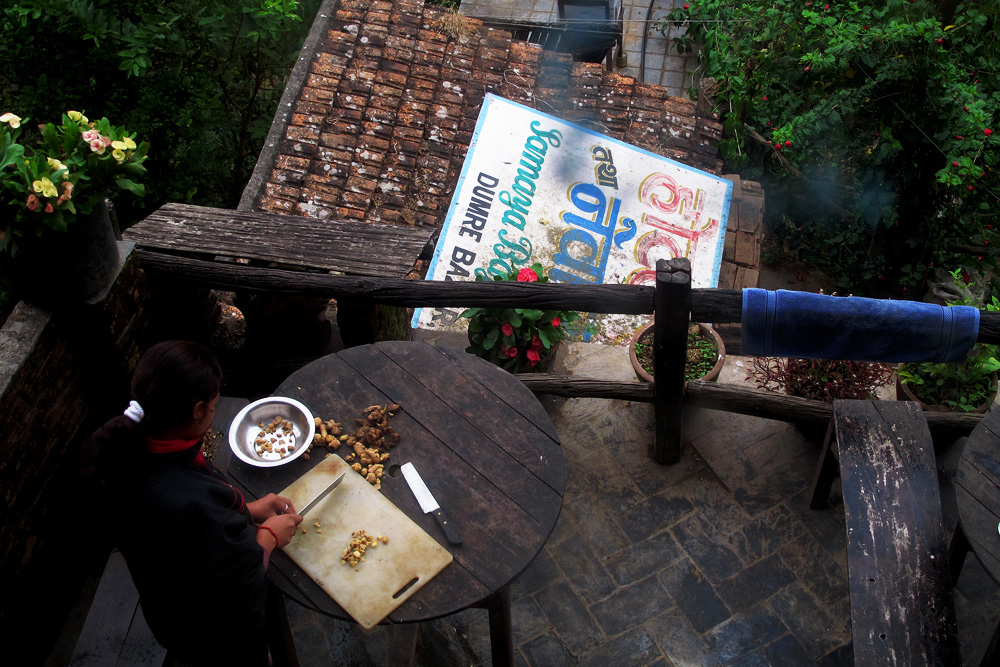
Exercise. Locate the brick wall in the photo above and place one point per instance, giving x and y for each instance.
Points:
(61, 375)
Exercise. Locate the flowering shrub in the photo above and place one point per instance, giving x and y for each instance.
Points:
(516, 339)
(63, 171)
(875, 121)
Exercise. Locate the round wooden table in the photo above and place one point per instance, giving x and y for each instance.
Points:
(482, 443)
(977, 492)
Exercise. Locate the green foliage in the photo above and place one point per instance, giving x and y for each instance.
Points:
(199, 78)
(963, 387)
(516, 339)
(870, 124)
(60, 171)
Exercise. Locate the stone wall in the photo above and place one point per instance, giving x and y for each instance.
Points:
(62, 374)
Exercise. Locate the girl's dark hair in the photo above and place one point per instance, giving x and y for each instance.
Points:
(170, 379)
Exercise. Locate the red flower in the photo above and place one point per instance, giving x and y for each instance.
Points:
(536, 342)
(511, 352)
(526, 276)
(825, 7)
(966, 278)
(533, 357)
(940, 41)
(954, 164)
(556, 321)
(989, 226)
(987, 132)
(965, 108)
(32, 202)
(958, 136)
(970, 188)
(777, 147)
(788, 144)
(764, 98)
(507, 329)
(685, 6)
(48, 208)
(807, 69)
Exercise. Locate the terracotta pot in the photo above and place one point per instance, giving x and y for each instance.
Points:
(904, 393)
(64, 268)
(711, 376)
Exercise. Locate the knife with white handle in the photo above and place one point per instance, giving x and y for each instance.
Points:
(427, 502)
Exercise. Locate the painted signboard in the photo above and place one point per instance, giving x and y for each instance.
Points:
(589, 208)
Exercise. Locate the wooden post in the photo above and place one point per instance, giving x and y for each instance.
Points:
(672, 314)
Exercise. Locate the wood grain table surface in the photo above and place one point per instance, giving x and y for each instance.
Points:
(977, 491)
(482, 442)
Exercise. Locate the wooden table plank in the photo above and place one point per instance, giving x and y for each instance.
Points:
(977, 482)
(494, 451)
(507, 388)
(505, 422)
(897, 552)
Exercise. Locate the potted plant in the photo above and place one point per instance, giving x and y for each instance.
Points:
(56, 239)
(966, 387)
(706, 353)
(517, 339)
(820, 379)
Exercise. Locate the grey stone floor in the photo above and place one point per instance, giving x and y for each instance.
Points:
(714, 561)
(661, 64)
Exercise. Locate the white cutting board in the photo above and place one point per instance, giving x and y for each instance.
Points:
(367, 591)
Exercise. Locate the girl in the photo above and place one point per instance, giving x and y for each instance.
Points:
(196, 550)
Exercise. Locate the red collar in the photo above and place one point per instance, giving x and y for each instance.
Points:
(169, 446)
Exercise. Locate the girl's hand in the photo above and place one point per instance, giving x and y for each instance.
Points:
(282, 527)
(269, 506)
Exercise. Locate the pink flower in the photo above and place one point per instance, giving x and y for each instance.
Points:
(556, 321)
(533, 357)
(48, 208)
(97, 146)
(507, 329)
(32, 202)
(90, 135)
(526, 276)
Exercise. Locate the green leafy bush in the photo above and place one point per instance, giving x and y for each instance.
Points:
(871, 125)
(199, 78)
(962, 387)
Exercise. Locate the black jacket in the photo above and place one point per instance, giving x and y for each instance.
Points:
(191, 548)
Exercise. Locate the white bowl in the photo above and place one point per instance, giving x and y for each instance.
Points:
(246, 428)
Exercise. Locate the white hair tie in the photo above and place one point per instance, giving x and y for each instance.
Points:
(134, 411)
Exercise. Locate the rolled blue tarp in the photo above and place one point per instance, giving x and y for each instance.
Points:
(804, 325)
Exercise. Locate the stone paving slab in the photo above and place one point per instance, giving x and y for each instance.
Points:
(714, 561)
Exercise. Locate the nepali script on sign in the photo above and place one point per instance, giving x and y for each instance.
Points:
(591, 209)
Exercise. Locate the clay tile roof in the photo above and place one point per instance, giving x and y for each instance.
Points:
(384, 119)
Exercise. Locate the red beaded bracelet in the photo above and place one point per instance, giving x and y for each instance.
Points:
(273, 534)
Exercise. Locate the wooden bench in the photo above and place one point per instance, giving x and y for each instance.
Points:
(902, 609)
